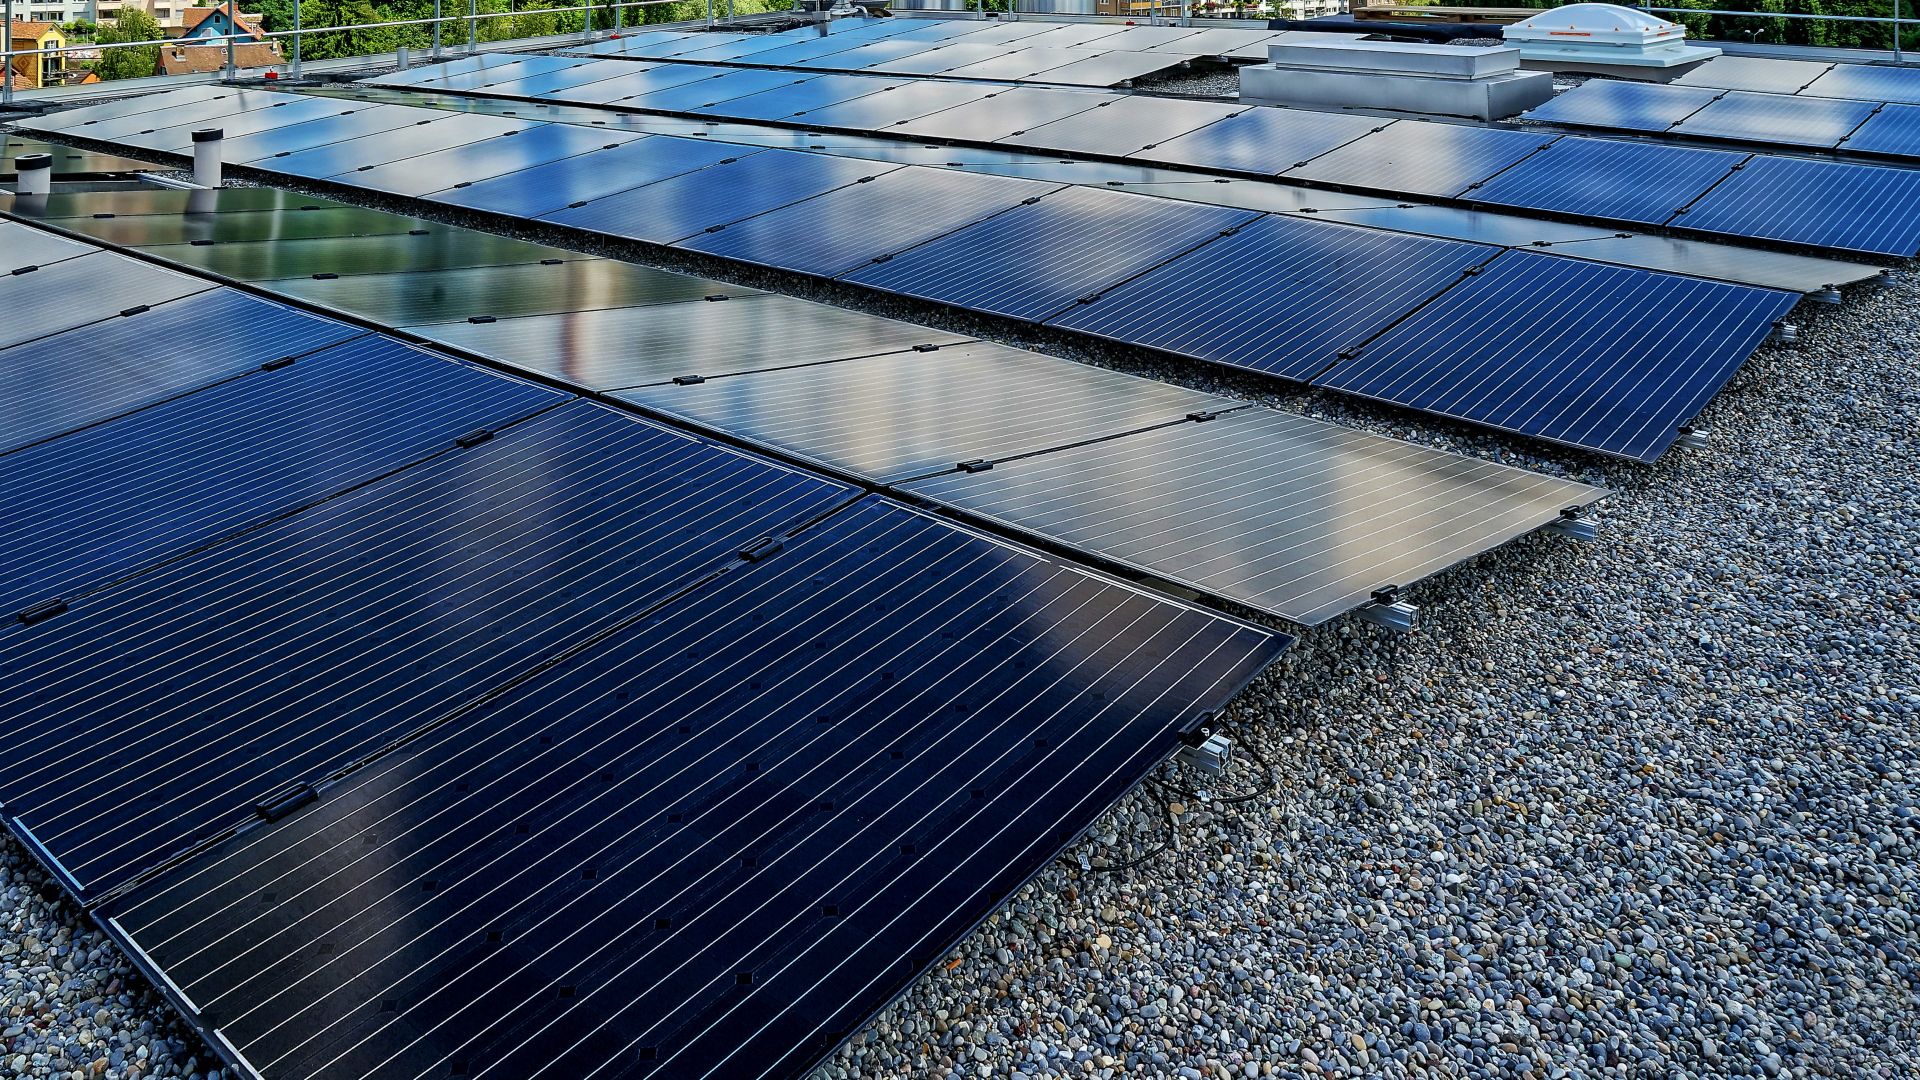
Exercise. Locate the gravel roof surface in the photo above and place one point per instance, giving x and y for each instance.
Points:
(1644, 807)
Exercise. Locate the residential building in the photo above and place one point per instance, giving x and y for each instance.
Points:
(187, 59)
(34, 71)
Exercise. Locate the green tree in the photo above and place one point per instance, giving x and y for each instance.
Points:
(80, 29)
(135, 62)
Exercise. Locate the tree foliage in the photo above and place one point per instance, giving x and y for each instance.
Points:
(136, 62)
(512, 19)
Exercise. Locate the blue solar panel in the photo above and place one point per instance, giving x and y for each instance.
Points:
(1894, 130)
(713, 845)
(1867, 82)
(438, 131)
(847, 228)
(794, 102)
(538, 86)
(1031, 262)
(638, 80)
(501, 155)
(1601, 357)
(544, 189)
(722, 87)
(161, 712)
(1421, 158)
(1265, 141)
(1282, 295)
(1777, 118)
(349, 124)
(107, 501)
(1629, 181)
(677, 208)
(1867, 209)
(40, 300)
(1624, 106)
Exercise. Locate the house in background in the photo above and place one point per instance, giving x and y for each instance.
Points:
(32, 72)
(192, 59)
(214, 22)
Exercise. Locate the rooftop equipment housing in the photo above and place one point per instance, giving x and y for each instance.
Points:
(1606, 39)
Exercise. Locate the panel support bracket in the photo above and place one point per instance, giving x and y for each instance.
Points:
(1389, 611)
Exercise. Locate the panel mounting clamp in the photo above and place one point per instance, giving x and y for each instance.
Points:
(1574, 524)
(689, 380)
(40, 612)
(974, 465)
(764, 548)
(286, 800)
(473, 438)
(1389, 611)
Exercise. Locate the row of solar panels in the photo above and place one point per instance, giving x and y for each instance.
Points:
(1836, 206)
(1854, 127)
(404, 717)
(1078, 54)
(891, 403)
(1808, 78)
(1358, 313)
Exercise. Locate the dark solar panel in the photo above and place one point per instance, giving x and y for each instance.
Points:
(440, 131)
(147, 202)
(1015, 63)
(22, 246)
(1626, 106)
(1776, 118)
(502, 292)
(1454, 223)
(787, 51)
(1125, 125)
(793, 102)
(1861, 208)
(610, 348)
(86, 115)
(1033, 261)
(1867, 82)
(1761, 74)
(1011, 33)
(637, 81)
(676, 208)
(1292, 516)
(67, 161)
(1630, 181)
(710, 91)
(1423, 158)
(104, 503)
(1721, 262)
(1008, 112)
(909, 414)
(943, 29)
(525, 67)
(1105, 69)
(633, 43)
(1212, 43)
(500, 155)
(1070, 34)
(1894, 130)
(944, 58)
(444, 246)
(94, 372)
(147, 230)
(179, 138)
(712, 845)
(212, 683)
(544, 189)
(81, 290)
(1282, 295)
(892, 108)
(536, 86)
(294, 138)
(1264, 141)
(1601, 357)
(860, 55)
(206, 111)
(1146, 37)
(844, 229)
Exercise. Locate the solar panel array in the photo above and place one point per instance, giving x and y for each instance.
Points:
(1398, 158)
(280, 578)
(1807, 78)
(1038, 252)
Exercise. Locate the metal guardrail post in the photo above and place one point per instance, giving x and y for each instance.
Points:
(709, 12)
(297, 35)
(233, 31)
(1896, 32)
(619, 10)
(436, 28)
(473, 24)
(6, 54)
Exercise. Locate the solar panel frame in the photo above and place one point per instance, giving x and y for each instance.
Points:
(1026, 760)
(1423, 159)
(618, 348)
(1842, 206)
(1263, 141)
(1125, 125)
(1777, 118)
(901, 415)
(1604, 178)
(1286, 296)
(318, 640)
(1222, 42)
(1502, 351)
(1294, 517)
(1624, 106)
(1032, 262)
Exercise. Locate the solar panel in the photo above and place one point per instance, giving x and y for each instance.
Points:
(94, 372)
(1759, 74)
(1282, 295)
(178, 138)
(1033, 261)
(630, 43)
(1067, 35)
(1230, 43)
(1263, 141)
(1011, 33)
(502, 292)
(698, 42)
(462, 66)
(1624, 106)
(67, 161)
(1472, 226)
(85, 115)
(168, 202)
(908, 414)
(23, 246)
(1861, 208)
(294, 138)
(1422, 159)
(943, 30)
(1147, 37)
(1015, 63)
(1776, 118)
(676, 208)
(611, 348)
(792, 102)
(700, 848)
(1629, 181)
(637, 81)
(545, 189)
(436, 249)
(1867, 82)
(711, 91)
(847, 228)
(1894, 130)
(167, 110)
(748, 50)
(1125, 125)
(497, 156)
(536, 86)
(1600, 357)
(524, 67)
(1106, 69)
(1720, 262)
(999, 115)
(860, 55)
(213, 683)
(1259, 195)
(84, 289)
(101, 504)
(943, 58)
(440, 131)
(892, 108)
(1295, 517)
